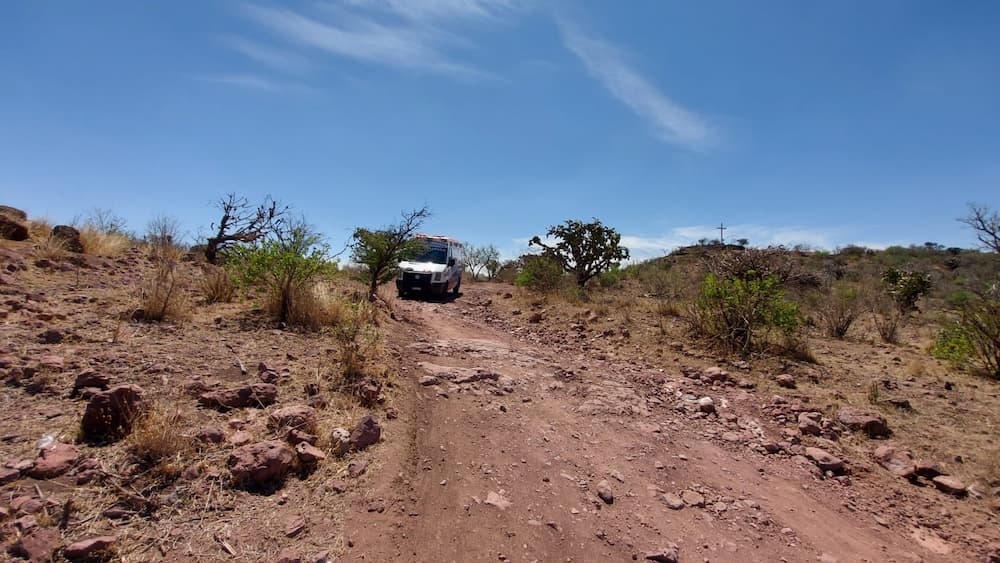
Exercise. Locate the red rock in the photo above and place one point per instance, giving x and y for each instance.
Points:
(824, 460)
(262, 464)
(288, 556)
(240, 438)
(210, 435)
(295, 436)
(308, 453)
(25, 504)
(38, 546)
(54, 461)
(899, 463)
(357, 468)
(298, 417)
(785, 380)
(110, 413)
(9, 475)
(89, 548)
(90, 379)
(253, 395)
(53, 363)
(365, 433)
(949, 485)
(928, 469)
(871, 423)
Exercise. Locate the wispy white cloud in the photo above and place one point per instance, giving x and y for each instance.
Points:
(278, 59)
(400, 45)
(253, 82)
(671, 122)
(429, 10)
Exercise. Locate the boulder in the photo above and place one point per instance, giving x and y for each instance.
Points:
(872, 424)
(365, 433)
(253, 395)
(262, 464)
(54, 460)
(898, 462)
(68, 238)
(824, 460)
(110, 413)
(295, 417)
(91, 548)
(14, 213)
(12, 228)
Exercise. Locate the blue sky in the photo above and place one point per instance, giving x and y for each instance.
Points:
(793, 122)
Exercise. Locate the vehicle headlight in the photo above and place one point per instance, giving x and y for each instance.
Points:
(437, 276)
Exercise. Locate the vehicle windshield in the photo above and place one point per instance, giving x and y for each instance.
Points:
(432, 255)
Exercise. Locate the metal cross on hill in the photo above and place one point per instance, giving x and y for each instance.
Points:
(722, 228)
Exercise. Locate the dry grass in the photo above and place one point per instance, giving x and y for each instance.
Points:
(357, 339)
(311, 306)
(51, 248)
(157, 443)
(100, 243)
(217, 285)
(39, 229)
(164, 297)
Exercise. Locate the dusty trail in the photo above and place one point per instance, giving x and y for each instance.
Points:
(505, 450)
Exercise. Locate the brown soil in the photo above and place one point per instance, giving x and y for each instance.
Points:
(503, 466)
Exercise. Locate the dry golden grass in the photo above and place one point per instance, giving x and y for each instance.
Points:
(164, 296)
(158, 444)
(311, 306)
(217, 285)
(100, 243)
(51, 248)
(39, 229)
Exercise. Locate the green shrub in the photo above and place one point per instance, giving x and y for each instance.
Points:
(959, 299)
(741, 312)
(540, 273)
(953, 344)
(611, 277)
(287, 266)
(906, 287)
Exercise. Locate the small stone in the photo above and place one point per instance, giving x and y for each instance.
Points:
(298, 417)
(785, 380)
(824, 460)
(288, 556)
(672, 554)
(110, 413)
(604, 492)
(871, 423)
(357, 468)
(340, 441)
(210, 435)
(674, 501)
(262, 464)
(309, 454)
(693, 498)
(55, 460)
(92, 548)
(38, 545)
(706, 404)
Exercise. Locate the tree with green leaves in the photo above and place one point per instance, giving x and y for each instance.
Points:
(583, 249)
(479, 258)
(380, 251)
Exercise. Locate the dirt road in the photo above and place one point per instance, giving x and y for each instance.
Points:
(504, 450)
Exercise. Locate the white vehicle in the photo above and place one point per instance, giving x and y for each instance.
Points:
(436, 271)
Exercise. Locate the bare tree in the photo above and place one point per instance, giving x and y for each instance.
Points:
(243, 222)
(986, 224)
(479, 258)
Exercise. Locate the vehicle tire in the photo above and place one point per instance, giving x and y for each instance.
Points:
(401, 292)
(457, 287)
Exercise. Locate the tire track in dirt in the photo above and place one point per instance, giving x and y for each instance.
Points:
(505, 450)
